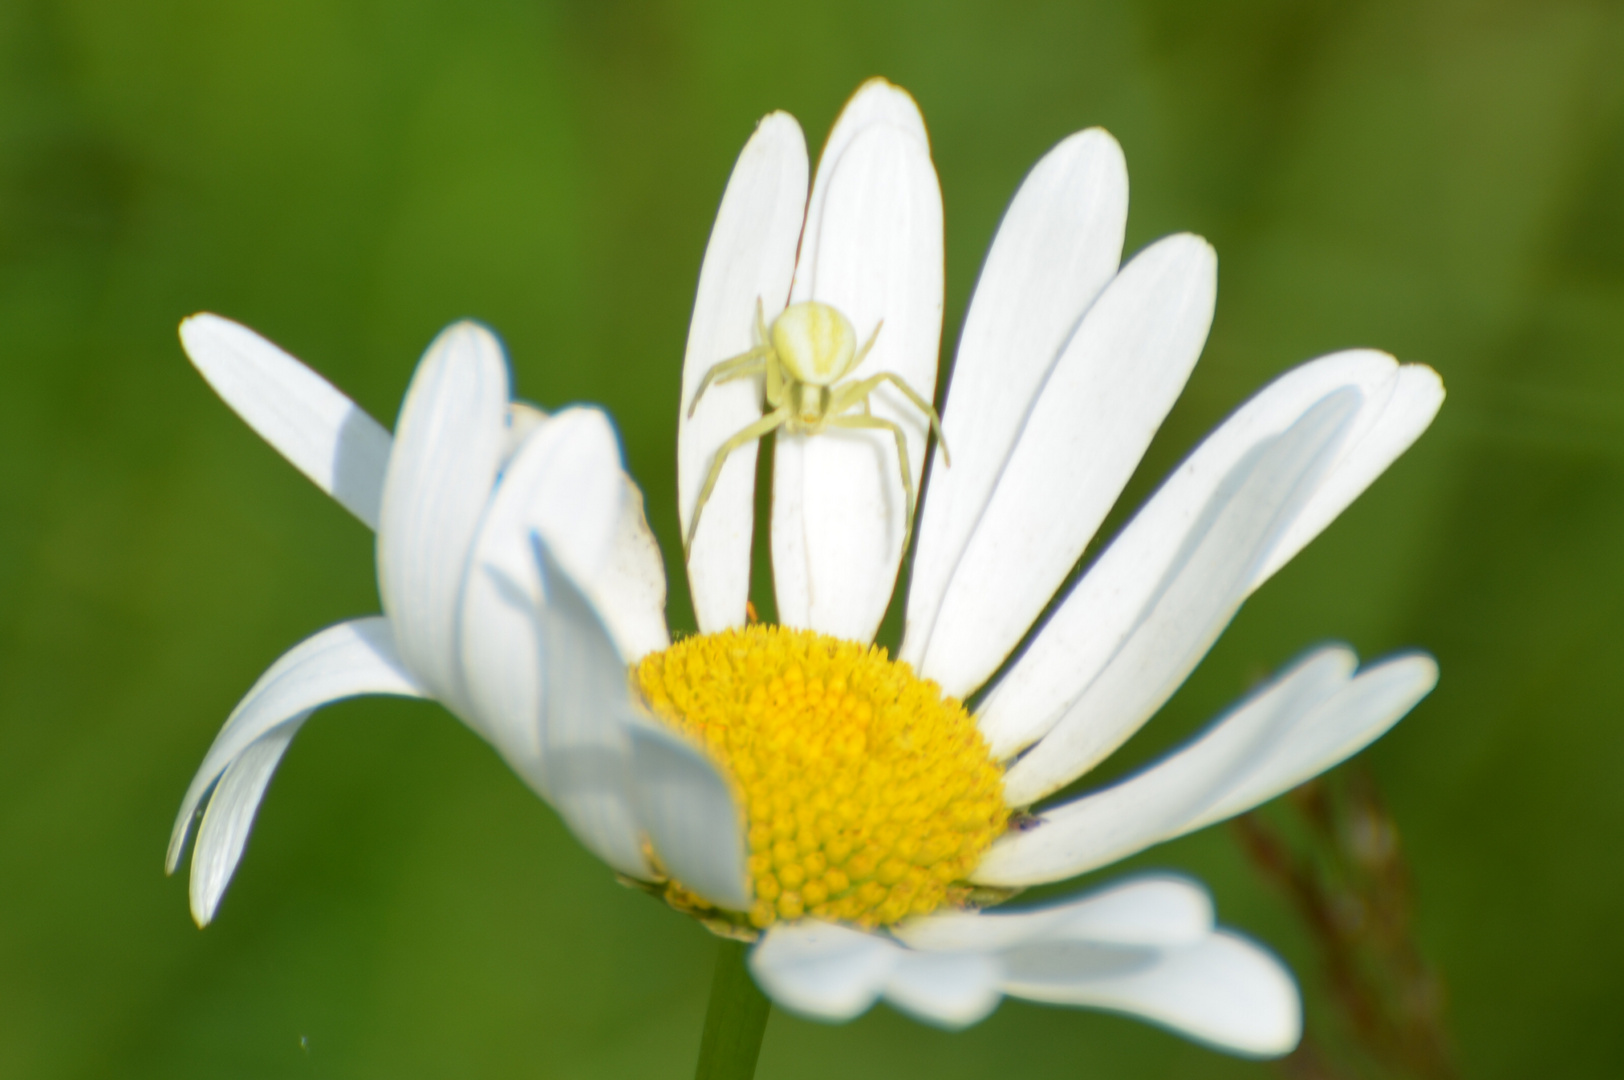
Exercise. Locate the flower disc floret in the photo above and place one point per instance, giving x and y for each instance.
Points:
(869, 795)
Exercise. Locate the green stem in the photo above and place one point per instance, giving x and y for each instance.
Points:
(735, 1021)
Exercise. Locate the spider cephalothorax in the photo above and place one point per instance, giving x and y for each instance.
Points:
(806, 351)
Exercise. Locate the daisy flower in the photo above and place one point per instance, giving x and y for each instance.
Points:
(794, 785)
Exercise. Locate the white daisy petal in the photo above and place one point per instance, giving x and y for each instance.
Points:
(1058, 246)
(310, 422)
(523, 421)
(1155, 910)
(1197, 596)
(448, 447)
(1357, 716)
(873, 250)
(688, 812)
(343, 661)
(1225, 991)
(1392, 423)
(1108, 393)
(749, 260)
(585, 747)
(230, 815)
(1070, 650)
(1145, 947)
(1167, 798)
(565, 483)
(630, 588)
(950, 989)
(823, 970)
(877, 101)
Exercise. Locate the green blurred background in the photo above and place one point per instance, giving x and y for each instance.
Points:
(1441, 179)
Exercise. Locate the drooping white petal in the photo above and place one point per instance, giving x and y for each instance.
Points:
(749, 260)
(828, 971)
(1145, 947)
(1225, 991)
(949, 989)
(630, 588)
(687, 810)
(343, 661)
(1199, 593)
(310, 422)
(1058, 246)
(448, 448)
(1108, 393)
(1356, 717)
(230, 815)
(872, 249)
(1155, 910)
(585, 745)
(1075, 644)
(1166, 799)
(823, 970)
(566, 484)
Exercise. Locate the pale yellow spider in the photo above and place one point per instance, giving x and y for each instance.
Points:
(809, 347)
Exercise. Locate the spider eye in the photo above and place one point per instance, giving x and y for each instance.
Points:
(815, 342)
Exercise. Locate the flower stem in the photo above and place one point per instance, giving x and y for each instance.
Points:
(735, 1021)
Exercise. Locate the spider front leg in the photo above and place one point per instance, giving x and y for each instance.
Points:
(875, 423)
(771, 422)
(746, 363)
(858, 392)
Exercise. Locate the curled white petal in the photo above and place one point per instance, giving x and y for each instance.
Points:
(565, 483)
(585, 747)
(223, 832)
(448, 449)
(688, 812)
(343, 661)
(310, 422)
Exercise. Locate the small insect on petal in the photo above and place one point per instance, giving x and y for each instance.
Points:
(815, 343)
(807, 350)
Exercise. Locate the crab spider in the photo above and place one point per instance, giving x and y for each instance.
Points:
(809, 347)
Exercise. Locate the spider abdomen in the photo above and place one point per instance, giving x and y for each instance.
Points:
(815, 342)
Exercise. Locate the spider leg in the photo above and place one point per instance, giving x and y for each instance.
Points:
(849, 395)
(750, 433)
(774, 388)
(753, 367)
(875, 423)
(736, 367)
(867, 345)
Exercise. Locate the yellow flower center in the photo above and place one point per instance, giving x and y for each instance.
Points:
(870, 796)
